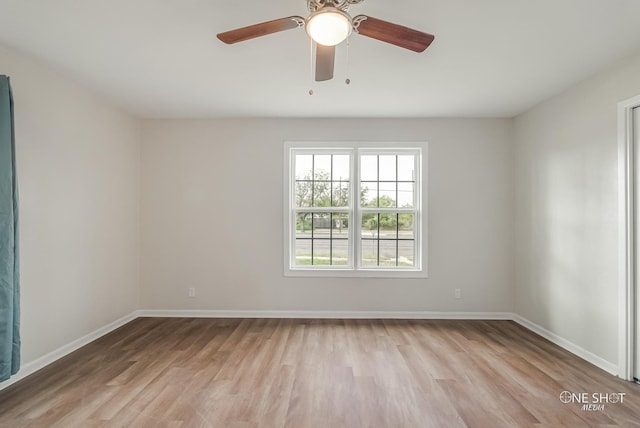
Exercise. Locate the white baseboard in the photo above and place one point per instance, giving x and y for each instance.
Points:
(45, 360)
(196, 313)
(569, 346)
(55, 355)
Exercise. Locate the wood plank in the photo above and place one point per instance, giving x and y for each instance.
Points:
(309, 373)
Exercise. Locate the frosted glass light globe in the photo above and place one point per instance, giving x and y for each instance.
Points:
(329, 26)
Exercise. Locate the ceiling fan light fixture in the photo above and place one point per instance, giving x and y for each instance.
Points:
(329, 26)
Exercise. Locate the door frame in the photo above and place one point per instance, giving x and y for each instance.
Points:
(627, 246)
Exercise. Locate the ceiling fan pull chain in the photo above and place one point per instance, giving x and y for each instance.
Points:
(311, 63)
(348, 80)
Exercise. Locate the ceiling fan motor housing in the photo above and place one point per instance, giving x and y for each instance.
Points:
(316, 5)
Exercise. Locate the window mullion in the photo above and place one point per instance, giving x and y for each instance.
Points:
(322, 210)
(389, 210)
(355, 247)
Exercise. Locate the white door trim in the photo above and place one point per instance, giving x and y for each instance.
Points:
(626, 233)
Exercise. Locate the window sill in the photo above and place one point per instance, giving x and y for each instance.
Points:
(361, 273)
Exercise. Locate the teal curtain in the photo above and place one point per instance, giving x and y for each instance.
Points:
(9, 272)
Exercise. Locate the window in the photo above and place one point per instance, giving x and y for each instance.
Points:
(354, 211)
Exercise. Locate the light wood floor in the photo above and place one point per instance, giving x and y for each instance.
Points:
(160, 372)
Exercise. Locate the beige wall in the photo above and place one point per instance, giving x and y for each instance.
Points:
(566, 214)
(78, 173)
(212, 206)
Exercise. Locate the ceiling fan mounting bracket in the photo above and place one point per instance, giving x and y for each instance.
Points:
(298, 20)
(343, 5)
(357, 20)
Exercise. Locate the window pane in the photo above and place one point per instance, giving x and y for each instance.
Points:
(369, 168)
(405, 226)
(340, 252)
(388, 225)
(387, 195)
(321, 193)
(303, 167)
(341, 195)
(341, 168)
(321, 225)
(303, 225)
(406, 195)
(387, 168)
(369, 225)
(369, 194)
(406, 253)
(340, 226)
(321, 251)
(406, 168)
(387, 253)
(369, 253)
(303, 252)
(303, 193)
(322, 167)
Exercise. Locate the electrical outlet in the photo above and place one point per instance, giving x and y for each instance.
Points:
(457, 293)
(192, 292)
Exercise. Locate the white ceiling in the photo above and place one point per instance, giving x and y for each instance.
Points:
(160, 58)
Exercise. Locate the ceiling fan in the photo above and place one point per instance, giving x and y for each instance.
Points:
(329, 24)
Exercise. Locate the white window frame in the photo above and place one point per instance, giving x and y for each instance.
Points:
(355, 150)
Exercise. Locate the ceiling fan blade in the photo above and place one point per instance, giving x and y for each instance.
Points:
(325, 59)
(262, 29)
(398, 35)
